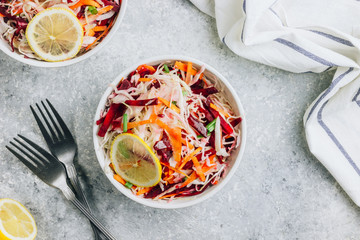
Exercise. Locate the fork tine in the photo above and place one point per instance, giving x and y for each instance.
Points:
(39, 158)
(24, 160)
(48, 138)
(53, 121)
(33, 164)
(60, 120)
(55, 137)
(47, 155)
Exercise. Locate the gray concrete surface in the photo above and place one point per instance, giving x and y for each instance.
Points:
(280, 190)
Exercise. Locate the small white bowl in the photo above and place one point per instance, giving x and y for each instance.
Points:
(6, 48)
(234, 158)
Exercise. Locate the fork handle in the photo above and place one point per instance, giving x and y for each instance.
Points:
(71, 171)
(71, 197)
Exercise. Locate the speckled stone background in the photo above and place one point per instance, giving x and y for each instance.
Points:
(280, 190)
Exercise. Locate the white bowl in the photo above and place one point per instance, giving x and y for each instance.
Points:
(6, 48)
(234, 158)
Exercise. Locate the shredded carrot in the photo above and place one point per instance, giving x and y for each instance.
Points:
(198, 169)
(112, 167)
(192, 177)
(1, 15)
(150, 68)
(85, 2)
(145, 79)
(176, 144)
(171, 194)
(90, 32)
(183, 67)
(167, 103)
(189, 156)
(101, 35)
(99, 28)
(143, 191)
(188, 74)
(104, 10)
(206, 168)
(223, 112)
(119, 179)
(131, 125)
(20, 10)
(185, 143)
(174, 169)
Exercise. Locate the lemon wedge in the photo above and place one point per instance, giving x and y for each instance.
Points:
(55, 34)
(16, 223)
(134, 161)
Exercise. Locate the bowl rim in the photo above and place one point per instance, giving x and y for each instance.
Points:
(201, 197)
(38, 63)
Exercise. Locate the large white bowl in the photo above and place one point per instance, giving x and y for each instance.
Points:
(6, 48)
(234, 159)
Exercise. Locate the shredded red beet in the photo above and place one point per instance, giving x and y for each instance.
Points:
(224, 125)
(208, 115)
(236, 121)
(143, 102)
(205, 91)
(100, 121)
(116, 110)
(198, 126)
(124, 85)
(115, 8)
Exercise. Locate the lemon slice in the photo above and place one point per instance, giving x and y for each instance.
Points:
(55, 34)
(134, 161)
(16, 223)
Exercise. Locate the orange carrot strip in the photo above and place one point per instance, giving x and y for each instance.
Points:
(174, 169)
(188, 157)
(213, 106)
(183, 66)
(99, 28)
(85, 2)
(145, 79)
(171, 194)
(20, 10)
(136, 124)
(104, 10)
(150, 68)
(1, 15)
(185, 143)
(143, 191)
(90, 32)
(101, 35)
(192, 177)
(167, 103)
(188, 74)
(119, 179)
(175, 143)
(206, 168)
(172, 131)
(198, 169)
(112, 167)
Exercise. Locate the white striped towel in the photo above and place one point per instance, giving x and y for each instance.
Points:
(303, 36)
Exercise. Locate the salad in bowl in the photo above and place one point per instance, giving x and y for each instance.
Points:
(169, 133)
(57, 32)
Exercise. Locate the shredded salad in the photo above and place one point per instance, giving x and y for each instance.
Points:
(183, 117)
(96, 17)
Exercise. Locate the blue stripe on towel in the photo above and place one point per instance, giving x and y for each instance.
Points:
(331, 87)
(355, 98)
(304, 52)
(332, 37)
(334, 139)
